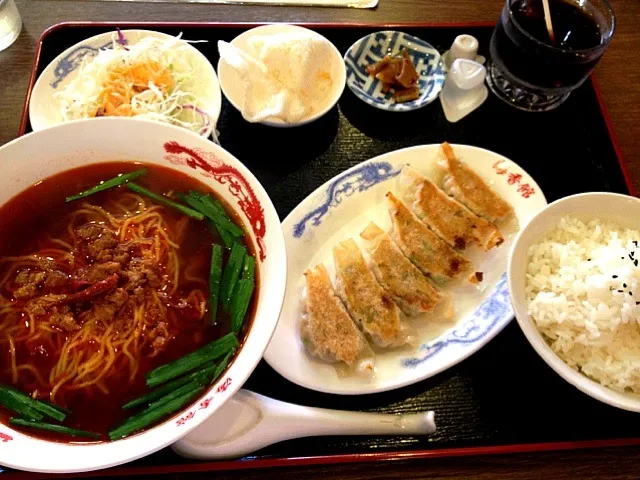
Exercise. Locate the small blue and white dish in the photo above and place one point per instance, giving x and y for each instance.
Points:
(372, 48)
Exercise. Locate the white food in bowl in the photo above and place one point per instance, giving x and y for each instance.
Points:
(582, 293)
(624, 211)
(281, 75)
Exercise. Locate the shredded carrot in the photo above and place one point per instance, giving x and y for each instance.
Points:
(124, 82)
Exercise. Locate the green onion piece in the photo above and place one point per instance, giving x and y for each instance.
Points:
(18, 406)
(41, 407)
(180, 196)
(231, 275)
(141, 421)
(189, 387)
(164, 201)
(191, 361)
(222, 366)
(107, 184)
(51, 427)
(194, 194)
(205, 205)
(226, 237)
(249, 267)
(200, 376)
(215, 204)
(66, 411)
(240, 304)
(215, 275)
(242, 293)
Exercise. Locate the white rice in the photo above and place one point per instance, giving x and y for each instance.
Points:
(582, 288)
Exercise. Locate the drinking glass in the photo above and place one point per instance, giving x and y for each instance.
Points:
(528, 70)
(10, 23)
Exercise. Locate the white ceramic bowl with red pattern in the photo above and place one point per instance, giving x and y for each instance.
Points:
(34, 157)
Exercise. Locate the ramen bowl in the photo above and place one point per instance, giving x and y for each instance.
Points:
(38, 156)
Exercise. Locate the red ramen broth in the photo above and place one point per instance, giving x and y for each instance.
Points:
(145, 267)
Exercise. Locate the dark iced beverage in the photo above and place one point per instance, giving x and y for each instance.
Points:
(534, 72)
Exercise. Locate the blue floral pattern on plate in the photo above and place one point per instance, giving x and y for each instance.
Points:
(373, 48)
(495, 309)
(359, 179)
(491, 315)
(73, 60)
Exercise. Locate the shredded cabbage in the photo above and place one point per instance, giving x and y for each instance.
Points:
(154, 79)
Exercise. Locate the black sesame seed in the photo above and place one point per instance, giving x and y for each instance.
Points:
(588, 259)
(631, 294)
(621, 291)
(637, 303)
(635, 263)
(624, 285)
(614, 276)
(635, 243)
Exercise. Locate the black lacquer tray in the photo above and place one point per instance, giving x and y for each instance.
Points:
(502, 399)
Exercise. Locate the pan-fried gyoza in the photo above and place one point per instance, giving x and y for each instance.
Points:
(410, 289)
(426, 251)
(399, 289)
(468, 188)
(452, 221)
(327, 330)
(367, 302)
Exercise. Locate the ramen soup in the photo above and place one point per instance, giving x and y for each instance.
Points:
(118, 306)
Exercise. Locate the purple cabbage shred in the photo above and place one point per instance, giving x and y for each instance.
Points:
(121, 40)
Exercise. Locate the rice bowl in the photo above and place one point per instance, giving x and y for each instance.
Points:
(582, 293)
(574, 283)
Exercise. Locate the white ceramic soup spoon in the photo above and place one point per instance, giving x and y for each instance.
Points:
(249, 422)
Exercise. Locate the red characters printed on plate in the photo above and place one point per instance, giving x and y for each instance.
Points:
(204, 404)
(514, 178)
(524, 189)
(223, 387)
(499, 170)
(4, 438)
(212, 167)
(185, 419)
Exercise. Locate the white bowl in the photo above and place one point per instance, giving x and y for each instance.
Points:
(232, 86)
(39, 155)
(622, 209)
(43, 109)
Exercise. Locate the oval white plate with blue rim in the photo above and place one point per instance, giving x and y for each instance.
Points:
(372, 48)
(44, 111)
(340, 209)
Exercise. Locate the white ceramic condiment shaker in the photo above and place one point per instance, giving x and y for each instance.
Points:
(464, 89)
(249, 422)
(464, 46)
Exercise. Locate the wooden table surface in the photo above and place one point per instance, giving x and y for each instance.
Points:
(618, 74)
